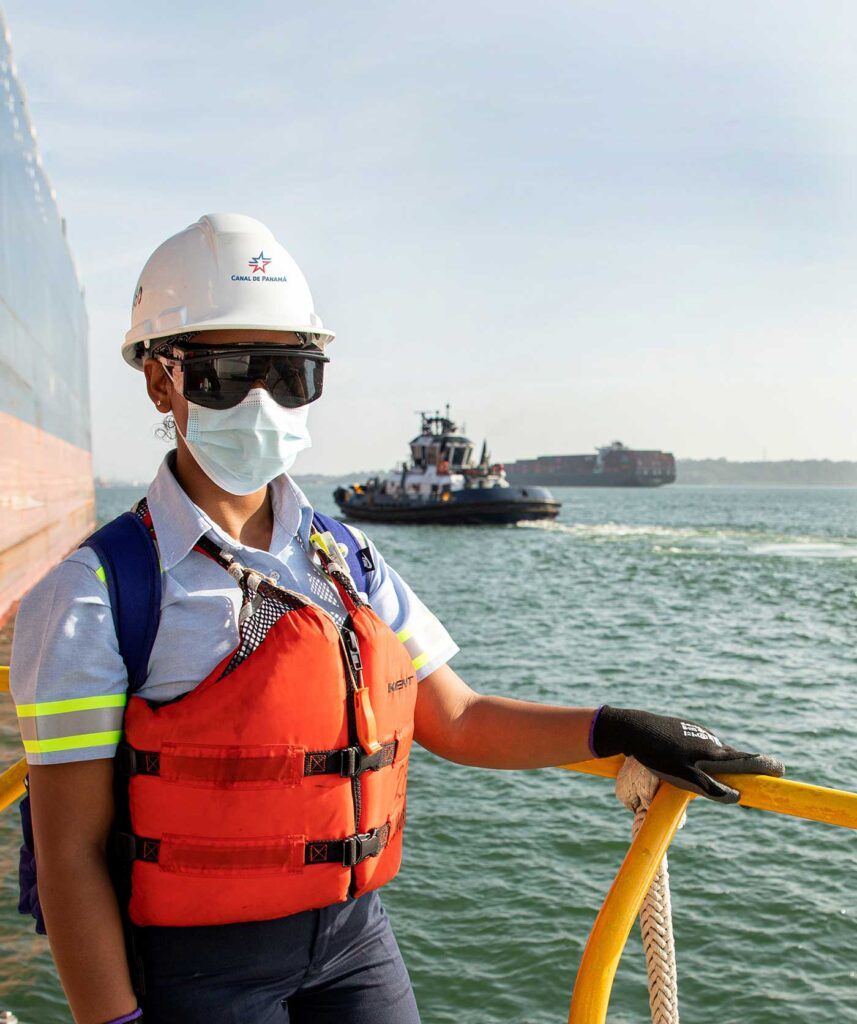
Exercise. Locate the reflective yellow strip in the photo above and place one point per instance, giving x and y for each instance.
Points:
(86, 739)
(405, 634)
(62, 707)
(421, 660)
(101, 574)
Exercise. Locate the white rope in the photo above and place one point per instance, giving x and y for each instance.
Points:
(636, 787)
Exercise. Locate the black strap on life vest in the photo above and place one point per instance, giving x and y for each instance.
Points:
(348, 852)
(347, 762)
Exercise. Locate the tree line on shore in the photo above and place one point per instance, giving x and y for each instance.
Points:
(796, 472)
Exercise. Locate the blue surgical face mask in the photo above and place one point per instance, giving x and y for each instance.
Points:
(243, 448)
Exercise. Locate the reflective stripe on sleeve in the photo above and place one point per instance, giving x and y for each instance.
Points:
(71, 724)
(63, 707)
(87, 739)
(423, 640)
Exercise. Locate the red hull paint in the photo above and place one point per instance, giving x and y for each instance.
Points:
(47, 504)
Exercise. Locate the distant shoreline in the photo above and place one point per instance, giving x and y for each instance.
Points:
(788, 472)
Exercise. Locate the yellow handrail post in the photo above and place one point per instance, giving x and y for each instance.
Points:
(12, 784)
(613, 924)
(11, 780)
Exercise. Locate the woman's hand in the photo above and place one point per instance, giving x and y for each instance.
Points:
(495, 732)
(678, 750)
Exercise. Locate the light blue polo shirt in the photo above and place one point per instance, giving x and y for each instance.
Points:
(68, 679)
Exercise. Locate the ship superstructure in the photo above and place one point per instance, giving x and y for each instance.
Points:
(614, 465)
(47, 502)
(442, 483)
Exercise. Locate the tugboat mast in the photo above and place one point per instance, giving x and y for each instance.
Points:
(435, 425)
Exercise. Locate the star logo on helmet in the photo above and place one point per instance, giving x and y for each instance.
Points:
(259, 263)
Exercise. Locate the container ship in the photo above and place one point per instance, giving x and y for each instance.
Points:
(614, 465)
(47, 498)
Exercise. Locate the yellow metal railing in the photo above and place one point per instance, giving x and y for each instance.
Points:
(613, 924)
(12, 780)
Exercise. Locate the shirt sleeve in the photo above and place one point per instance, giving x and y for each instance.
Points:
(422, 633)
(67, 677)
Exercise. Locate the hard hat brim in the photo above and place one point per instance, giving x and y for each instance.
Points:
(134, 338)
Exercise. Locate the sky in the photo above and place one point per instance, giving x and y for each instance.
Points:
(573, 221)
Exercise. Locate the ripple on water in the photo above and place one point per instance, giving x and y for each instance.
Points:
(735, 606)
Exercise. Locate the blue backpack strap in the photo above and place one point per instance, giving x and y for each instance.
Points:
(359, 555)
(132, 572)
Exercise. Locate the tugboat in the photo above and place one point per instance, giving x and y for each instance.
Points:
(442, 484)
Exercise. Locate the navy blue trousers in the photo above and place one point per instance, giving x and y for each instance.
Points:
(340, 964)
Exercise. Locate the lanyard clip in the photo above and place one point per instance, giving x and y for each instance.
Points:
(332, 554)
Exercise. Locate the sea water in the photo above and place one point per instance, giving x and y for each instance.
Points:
(734, 606)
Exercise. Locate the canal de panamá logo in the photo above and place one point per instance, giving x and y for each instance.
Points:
(259, 266)
(258, 263)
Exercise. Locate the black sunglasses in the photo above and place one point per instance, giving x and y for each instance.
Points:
(220, 378)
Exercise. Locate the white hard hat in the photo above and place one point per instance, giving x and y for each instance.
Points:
(225, 271)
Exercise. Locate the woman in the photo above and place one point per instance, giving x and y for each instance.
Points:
(257, 802)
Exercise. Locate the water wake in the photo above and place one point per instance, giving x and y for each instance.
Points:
(706, 540)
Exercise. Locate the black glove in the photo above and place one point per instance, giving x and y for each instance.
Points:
(679, 751)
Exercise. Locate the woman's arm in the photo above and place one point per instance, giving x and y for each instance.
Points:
(495, 732)
(461, 725)
(72, 807)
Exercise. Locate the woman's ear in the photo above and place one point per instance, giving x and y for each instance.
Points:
(159, 385)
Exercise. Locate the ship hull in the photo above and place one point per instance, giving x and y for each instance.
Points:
(47, 499)
(594, 480)
(47, 503)
(474, 507)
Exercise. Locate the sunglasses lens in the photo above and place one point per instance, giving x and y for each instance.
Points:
(207, 383)
(221, 381)
(295, 380)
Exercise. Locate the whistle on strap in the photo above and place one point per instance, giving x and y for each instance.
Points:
(334, 554)
(367, 729)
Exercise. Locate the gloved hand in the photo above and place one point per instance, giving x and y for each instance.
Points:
(677, 750)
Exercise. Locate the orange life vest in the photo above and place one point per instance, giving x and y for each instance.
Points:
(277, 785)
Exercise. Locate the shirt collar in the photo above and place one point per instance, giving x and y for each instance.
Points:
(179, 523)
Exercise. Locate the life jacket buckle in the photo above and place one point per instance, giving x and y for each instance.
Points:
(348, 768)
(357, 848)
(355, 761)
